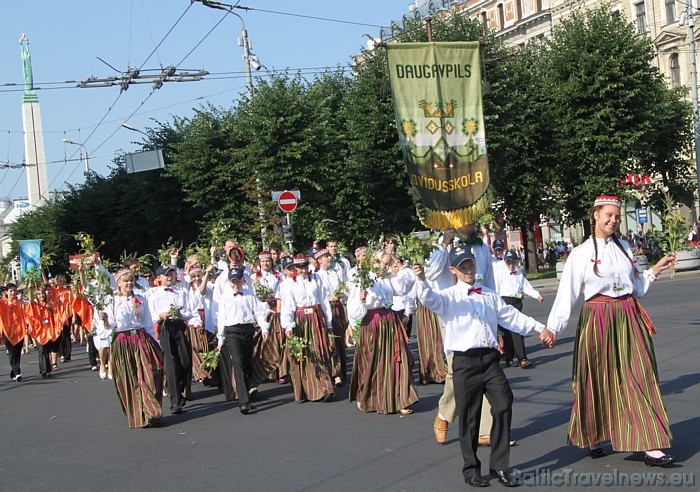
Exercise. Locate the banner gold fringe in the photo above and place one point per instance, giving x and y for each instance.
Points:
(444, 219)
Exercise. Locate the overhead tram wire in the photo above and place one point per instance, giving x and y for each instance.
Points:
(120, 94)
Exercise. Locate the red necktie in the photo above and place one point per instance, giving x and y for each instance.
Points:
(168, 289)
(475, 289)
(514, 272)
(238, 293)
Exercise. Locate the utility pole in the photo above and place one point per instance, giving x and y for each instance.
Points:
(694, 92)
(248, 60)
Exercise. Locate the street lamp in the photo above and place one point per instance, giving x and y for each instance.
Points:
(134, 129)
(249, 60)
(87, 163)
(689, 15)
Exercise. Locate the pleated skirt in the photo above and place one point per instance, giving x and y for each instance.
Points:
(615, 380)
(270, 358)
(381, 374)
(200, 344)
(339, 357)
(311, 375)
(137, 368)
(433, 363)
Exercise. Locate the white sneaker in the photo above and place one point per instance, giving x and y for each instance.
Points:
(17, 378)
(103, 375)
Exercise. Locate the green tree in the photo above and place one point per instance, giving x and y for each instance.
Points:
(602, 90)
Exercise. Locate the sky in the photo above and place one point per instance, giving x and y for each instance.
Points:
(67, 37)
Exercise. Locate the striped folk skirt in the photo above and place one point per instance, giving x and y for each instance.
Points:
(137, 368)
(615, 380)
(273, 362)
(433, 363)
(200, 344)
(339, 360)
(311, 375)
(381, 374)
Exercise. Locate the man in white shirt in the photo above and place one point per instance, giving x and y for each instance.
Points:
(471, 316)
(237, 313)
(169, 304)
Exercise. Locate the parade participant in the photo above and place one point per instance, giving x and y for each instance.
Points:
(360, 253)
(229, 245)
(471, 316)
(497, 247)
(45, 329)
(615, 380)
(512, 286)
(14, 327)
(400, 301)
(338, 262)
(275, 249)
(268, 356)
(431, 356)
(64, 299)
(168, 305)
(306, 313)
(103, 341)
(195, 325)
(141, 284)
(447, 410)
(334, 286)
(136, 359)
(237, 312)
(381, 375)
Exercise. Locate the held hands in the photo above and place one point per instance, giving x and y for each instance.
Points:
(548, 337)
(539, 299)
(418, 271)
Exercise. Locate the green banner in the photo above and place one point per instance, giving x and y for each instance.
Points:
(436, 90)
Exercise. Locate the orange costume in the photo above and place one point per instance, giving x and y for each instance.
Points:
(46, 330)
(12, 321)
(13, 327)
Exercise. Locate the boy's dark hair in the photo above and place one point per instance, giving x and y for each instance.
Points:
(130, 261)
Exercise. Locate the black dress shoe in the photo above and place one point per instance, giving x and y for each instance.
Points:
(153, 422)
(328, 397)
(252, 393)
(665, 460)
(597, 453)
(176, 410)
(245, 408)
(505, 478)
(477, 481)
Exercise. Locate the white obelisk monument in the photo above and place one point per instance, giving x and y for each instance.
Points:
(34, 157)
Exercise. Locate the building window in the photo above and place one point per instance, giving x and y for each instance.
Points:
(519, 9)
(501, 16)
(538, 6)
(670, 11)
(640, 13)
(675, 69)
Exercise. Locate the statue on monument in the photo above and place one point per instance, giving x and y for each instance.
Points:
(29, 94)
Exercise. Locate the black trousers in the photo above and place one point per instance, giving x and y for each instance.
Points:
(44, 361)
(239, 341)
(14, 353)
(66, 345)
(513, 343)
(92, 351)
(476, 373)
(177, 359)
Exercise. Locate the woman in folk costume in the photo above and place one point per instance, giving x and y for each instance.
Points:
(14, 328)
(46, 327)
(272, 361)
(334, 284)
(381, 375)
(306, 314)
(615, 381)
(432, 361)
(195, 325)
(136, 358)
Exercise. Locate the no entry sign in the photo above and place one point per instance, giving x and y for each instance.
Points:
(287, 201)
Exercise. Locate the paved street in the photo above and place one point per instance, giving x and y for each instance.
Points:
(68, 433)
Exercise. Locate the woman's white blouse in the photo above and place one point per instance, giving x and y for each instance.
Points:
(617, 278)
(127, 313)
